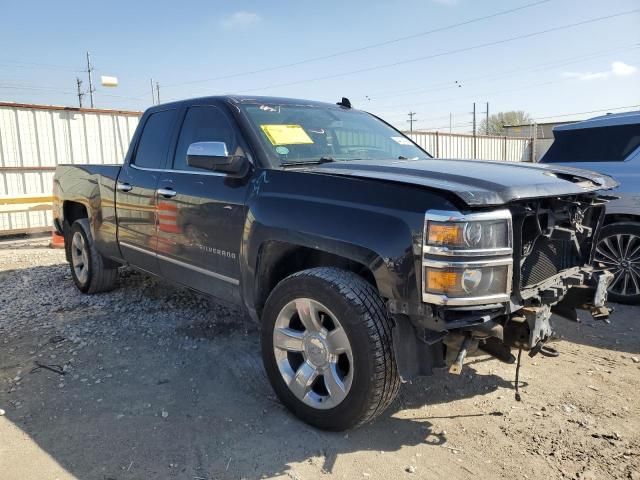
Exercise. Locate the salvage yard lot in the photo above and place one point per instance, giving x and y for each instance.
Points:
(161, 383)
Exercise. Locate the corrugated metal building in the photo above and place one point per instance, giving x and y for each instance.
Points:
(35, 138)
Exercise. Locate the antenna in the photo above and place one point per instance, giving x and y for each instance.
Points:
(344, 102)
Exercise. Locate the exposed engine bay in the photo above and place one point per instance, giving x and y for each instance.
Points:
(535, 263)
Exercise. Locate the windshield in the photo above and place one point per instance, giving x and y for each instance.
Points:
(603, 144)
(295, 134)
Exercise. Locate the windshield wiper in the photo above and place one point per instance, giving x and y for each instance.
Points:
(314, 161)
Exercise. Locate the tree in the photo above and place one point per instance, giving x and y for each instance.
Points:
(497, 121)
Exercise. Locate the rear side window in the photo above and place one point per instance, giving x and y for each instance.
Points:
(154, 141)
(602, 144)
(204, 124)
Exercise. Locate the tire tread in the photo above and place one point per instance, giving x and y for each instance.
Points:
(366, 299)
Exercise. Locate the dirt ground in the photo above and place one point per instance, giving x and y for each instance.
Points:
(160, 383)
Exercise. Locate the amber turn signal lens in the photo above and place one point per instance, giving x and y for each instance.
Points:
(442, 281)
(445, 234)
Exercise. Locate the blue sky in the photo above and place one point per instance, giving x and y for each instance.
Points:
(585, 68)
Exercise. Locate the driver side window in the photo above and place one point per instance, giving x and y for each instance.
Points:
(204, 124)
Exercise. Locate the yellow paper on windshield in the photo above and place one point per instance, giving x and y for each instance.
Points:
(286, 134)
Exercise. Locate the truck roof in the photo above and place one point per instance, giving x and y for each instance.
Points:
(609, 120)
(247, 99)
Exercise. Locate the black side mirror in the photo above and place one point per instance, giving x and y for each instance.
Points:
(215, 157)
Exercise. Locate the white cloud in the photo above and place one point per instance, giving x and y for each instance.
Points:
(586, 75)
(240, 21)
(618, 69)
(621, 69)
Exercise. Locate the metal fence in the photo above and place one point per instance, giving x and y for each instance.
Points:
(35, 138)
(454, 145)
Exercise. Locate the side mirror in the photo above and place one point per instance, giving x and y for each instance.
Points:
(215, 156)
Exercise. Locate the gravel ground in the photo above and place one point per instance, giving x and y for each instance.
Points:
(157, 382)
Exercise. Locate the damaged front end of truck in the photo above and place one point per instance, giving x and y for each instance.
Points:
(491, 280)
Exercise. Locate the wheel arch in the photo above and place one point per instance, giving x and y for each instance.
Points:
(277, 260)
(612, 218)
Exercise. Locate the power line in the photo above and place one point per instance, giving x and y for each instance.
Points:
(451, 52)
(34, 87)
(46, 66)
(467, 124)
(585, 113)
(505, 73)
(365, 47)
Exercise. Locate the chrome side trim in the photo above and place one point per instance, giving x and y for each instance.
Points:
(168, 170)
(458, 302)
(138, 249)
(219, 276)
(433, 250)
(489, 262)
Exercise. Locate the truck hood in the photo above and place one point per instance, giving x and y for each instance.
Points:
(475, 182)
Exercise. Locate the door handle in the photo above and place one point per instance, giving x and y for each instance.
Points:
(124, 187)
(167, 192)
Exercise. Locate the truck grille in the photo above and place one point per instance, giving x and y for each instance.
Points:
(548, 258)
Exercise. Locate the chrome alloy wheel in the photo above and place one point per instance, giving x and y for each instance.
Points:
(313, 353)
(621, 255)
(80, 257)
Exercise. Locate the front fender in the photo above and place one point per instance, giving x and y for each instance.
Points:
(375, 224)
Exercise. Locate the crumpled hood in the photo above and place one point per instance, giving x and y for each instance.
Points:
(477, 182)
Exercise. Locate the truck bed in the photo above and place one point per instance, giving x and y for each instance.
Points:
(91, 187)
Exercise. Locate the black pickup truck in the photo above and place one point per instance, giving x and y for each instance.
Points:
(365, 260)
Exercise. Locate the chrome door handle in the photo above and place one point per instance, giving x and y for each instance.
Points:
(167, 192)
(124, 187)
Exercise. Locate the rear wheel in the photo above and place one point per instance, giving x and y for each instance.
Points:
(327, 349)
(618, 250)
(89, 269)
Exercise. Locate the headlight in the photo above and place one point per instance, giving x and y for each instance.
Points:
(467, 259)
(467, 280)
(461, 236)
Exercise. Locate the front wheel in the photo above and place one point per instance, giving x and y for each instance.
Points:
(327, 348)
(618, 250)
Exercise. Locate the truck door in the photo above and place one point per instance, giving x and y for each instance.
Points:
(201, 213)
(136, 198)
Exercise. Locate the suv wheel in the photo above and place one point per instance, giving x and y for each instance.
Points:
(327, 349)
(618, 250)
(88, 268)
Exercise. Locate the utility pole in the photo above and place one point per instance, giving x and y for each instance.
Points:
(89, 70)
(158, 92)
(474, 119)
(411, 120)
(80, 93)
(486, 119)
(153, 95)
(474, 131)
(450, 121)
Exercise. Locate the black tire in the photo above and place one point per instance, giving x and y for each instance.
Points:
(363, 316)
(100, 277)
(628, 264)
